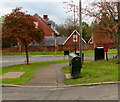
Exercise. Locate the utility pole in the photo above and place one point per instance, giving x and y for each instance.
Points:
(55, 44)
(118, 33)
(80, 29)
(75, 29)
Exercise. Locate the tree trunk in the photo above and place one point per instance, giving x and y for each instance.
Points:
(118, 32)
(27, 56)
(19, 45)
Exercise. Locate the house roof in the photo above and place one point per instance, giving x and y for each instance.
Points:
(34, 43)
(42, 25)
(61, 40)
(75, 31)
(50, 22)
(49, 41)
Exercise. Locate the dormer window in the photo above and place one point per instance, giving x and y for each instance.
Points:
(36, 24)
(75, 38)
(49, 25)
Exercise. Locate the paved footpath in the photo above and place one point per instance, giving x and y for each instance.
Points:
(48, 76)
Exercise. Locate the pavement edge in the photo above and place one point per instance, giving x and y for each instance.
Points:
(78, 85)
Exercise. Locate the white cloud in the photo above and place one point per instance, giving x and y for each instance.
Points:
(53, 8)
(37, 0)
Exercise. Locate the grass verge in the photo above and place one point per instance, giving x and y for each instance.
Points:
(28, 69)
(33, 53)
(97, 71)
(91, 52)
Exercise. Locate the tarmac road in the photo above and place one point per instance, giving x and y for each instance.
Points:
(100, 92)
(12, 60)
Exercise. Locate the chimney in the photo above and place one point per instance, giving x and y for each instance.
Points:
(45, 17)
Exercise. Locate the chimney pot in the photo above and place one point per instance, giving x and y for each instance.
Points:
(45, 17)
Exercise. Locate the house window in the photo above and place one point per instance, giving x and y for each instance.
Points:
(36, 24)
(75, 38)
(49, 25)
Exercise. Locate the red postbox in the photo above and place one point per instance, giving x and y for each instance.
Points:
(105, 49)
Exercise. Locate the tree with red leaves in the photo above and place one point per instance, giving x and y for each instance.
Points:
(72, 8)
(107, 17)
(19, 27)
(105, 12)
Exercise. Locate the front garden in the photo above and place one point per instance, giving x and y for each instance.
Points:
(28, 69)
(94, 72)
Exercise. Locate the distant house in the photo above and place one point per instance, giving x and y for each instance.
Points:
(48, 28)
(71, 42)
(74, 38)
(102, 37)
(51, 35)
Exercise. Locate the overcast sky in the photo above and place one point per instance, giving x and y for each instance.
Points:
(53, 8)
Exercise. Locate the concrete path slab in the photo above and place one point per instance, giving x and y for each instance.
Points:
(48, 76)
(10, 75)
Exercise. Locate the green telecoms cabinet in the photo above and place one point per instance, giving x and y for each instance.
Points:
(75, 65)
(99, 53)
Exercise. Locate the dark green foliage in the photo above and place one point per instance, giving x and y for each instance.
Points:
(66, 30)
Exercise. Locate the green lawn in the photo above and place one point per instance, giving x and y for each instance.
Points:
(97, 71)
(32, 53)
(91, 52)
(28, 69)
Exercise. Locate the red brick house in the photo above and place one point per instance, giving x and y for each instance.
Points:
(72, 42)
(74, 38)
(100, 39)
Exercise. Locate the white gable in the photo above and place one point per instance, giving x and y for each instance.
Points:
(91, 40)
(71, 35)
